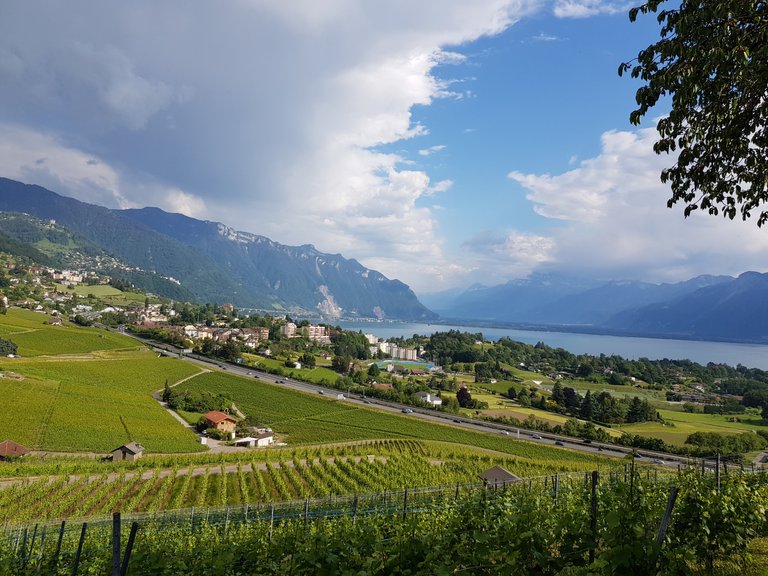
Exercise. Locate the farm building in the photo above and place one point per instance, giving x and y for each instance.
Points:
(220, 421)
(10, 449)
(130, 452)
(498, 476)
(260, 440)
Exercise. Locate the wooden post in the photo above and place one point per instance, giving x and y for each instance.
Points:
(405, 504)
(306, 512)
(79, 549)
(129, 548)
(23, 551)
(354, 510)
(667, 516)
(271, 520)
(42, 550)
(593, 518)
(116, 544)
(717, 474)
(58, 543)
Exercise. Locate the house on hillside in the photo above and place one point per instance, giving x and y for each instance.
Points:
(498, 476)
(220, 421)
(10, 449)
(429, 398)
(129, 452)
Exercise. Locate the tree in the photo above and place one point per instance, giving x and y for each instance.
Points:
(711, 59)
(7, 347)
(341, 364)
(524, 397)
(308, 360)
(374, 370)
(463, 397)
(558, 396)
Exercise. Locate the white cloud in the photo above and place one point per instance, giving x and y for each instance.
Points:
(263, 115)
(495, 258)
(431, 150)
(542, 37)
(34, 157)
(617, 223)
(587, 8)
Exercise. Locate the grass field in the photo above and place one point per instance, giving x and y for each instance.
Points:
(317, 375)
(34, 337)
(681, 424)
(105, 292)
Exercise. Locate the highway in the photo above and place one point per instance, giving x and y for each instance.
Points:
(566, 442)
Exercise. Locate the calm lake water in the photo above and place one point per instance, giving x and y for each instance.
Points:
(750, 355)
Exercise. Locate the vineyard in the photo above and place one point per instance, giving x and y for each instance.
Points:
(116, 388)
(577, 524)
(289, 475)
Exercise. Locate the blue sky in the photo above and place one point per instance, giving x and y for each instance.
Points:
(443, 143)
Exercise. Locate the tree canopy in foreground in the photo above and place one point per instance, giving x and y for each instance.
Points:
(712, 60)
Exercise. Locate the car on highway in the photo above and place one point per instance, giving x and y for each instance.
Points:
(320, 392)
(536, 437)
(406, 411)
(457, 421)
(558, 443)
(505, 432)
(660, 462)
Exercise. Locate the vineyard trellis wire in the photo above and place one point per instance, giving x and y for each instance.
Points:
(60, 544)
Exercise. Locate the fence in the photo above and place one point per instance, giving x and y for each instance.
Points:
(70, 546)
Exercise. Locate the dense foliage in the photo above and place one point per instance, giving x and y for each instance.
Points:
(711, 60)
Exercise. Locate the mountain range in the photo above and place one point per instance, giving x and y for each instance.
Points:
(188, 259)
(212, 262)
(720, 308)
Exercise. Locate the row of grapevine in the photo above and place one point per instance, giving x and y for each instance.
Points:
(305, 476)
(606, 528)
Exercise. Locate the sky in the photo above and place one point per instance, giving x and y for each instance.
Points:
(444, 143)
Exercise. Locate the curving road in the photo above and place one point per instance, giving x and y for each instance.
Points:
(566, 442)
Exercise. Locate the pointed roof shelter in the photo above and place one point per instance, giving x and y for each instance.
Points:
(498, 475)
(10, 449)
(131, 451)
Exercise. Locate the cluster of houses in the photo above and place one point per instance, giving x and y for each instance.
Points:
(227, 424)
(316, 333)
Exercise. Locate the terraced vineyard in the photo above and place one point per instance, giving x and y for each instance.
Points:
(293, 475)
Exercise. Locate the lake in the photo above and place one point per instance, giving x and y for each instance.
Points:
(750, 355)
